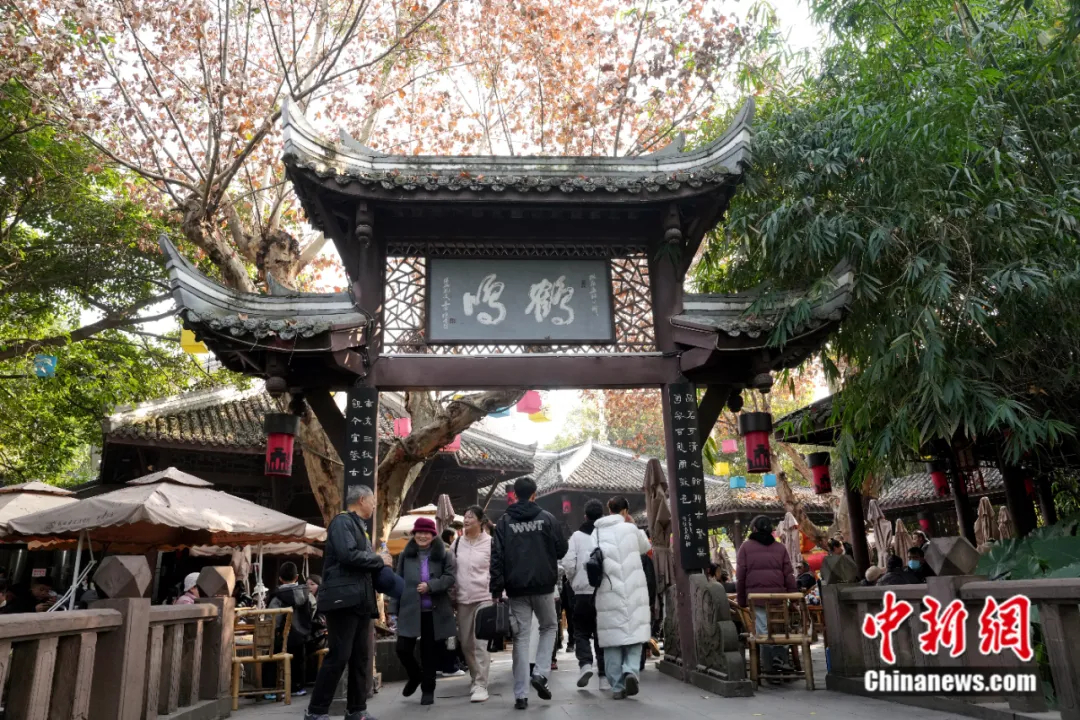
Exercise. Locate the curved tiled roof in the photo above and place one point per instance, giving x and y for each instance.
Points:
(589, 467)
(918, 489)
(721, 499)
(231, 419)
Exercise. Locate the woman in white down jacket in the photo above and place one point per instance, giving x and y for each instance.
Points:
(623, 622)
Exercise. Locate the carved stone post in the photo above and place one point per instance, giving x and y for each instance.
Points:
(120, 664)
(217, 636)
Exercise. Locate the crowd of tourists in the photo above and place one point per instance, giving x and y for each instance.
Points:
(439, 587)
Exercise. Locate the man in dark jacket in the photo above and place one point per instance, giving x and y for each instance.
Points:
(291, 594)
(347, 597)
(525, 553)
(896, 573)
(917, 564)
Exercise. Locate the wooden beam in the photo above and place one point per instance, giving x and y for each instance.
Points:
(402, 372)
(330, 417)
(695, 359)
(710, 407)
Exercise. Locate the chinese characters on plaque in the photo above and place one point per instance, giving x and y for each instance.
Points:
(361, 436)
(533, 301)
(1002, 626)
(689, 481)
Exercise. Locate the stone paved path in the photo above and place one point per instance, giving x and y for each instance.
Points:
(661, 698)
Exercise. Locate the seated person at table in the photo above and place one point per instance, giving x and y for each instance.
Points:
(806, 579)
(39, 597)
(291, 594)
(897, 574)
(725, 580)
(917, 564)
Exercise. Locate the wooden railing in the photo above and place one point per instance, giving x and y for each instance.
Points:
(50, 660)
(851, 654)
(174, 657)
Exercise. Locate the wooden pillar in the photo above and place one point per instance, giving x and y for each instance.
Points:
(119, 663)
(860, 548)
(710, 407)
(965, 514)
(1044, 490)
(1019, 503)
(682, 581)
(735, 530)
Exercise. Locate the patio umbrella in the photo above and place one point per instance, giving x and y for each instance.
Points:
(658, 513)
(399, 536)
(286, 549)
(882, 532)
(719, 556)
(1005, 524)
(444, 516)
(902, 542)
(29, 498)
(166, 510)
(789, 532)
(984, 523)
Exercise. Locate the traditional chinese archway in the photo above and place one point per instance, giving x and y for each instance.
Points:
(545, 272)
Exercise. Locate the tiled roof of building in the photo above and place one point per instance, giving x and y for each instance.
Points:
(227, 418)
(918, 489)
(588, 467)
(721, 499)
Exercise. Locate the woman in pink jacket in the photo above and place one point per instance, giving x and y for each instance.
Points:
(764, 566)
(472, 555)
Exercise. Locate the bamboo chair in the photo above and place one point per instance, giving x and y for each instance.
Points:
(787, 623)
(261, 625)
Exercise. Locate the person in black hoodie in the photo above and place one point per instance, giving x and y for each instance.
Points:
(525, 553)
(896, 573)
(291, 594)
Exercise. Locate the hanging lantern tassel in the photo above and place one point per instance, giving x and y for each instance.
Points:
(281, 430)
(819, 466)
(755, 428)
(936, 468)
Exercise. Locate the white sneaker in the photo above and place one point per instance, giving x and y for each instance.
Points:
(585, 676)
(604, 684)
(479, 695)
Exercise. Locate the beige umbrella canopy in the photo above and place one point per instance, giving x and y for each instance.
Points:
(658, 514)
(882, 532)
(399, 536)
(444, 515)
(29, 498)
(297, 549)
(1005, 525)
(789, 532)
(902, 542)
(984, 523)
(166, 510)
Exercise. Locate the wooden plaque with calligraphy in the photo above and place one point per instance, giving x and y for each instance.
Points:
(688, 485)
(361, 437)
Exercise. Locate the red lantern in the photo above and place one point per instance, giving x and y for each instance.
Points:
(454, 445)
(819, 466)
(511, 497)
(936, 468)
(566, 506)
(755, 428)
(530, 403)
(1029, 487)
(815, 559)
(402, 427)
(925, 522)
(281, 430)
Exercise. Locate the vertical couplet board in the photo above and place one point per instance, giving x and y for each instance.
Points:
(361, 437)
(688, 485)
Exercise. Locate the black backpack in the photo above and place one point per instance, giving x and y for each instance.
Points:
(594, 566)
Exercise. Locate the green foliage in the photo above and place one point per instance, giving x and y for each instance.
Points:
(938, 151)
(1051, 551)
(73, 249)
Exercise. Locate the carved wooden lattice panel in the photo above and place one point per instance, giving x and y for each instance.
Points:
(404, 305)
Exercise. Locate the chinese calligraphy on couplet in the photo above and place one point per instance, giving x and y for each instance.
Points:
(1001, 625)
(361, 436)
(689, 480)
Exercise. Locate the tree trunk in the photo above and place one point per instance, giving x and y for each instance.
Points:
(433, 428)
(791, 503)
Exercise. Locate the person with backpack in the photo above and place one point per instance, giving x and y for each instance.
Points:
(573, 563)
(472, 574)
(623, 619)
(525, 553)
(291, 594)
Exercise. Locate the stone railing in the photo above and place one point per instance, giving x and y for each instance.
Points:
(174, 657)
(122, 659)
(50, 660)
(851, 654)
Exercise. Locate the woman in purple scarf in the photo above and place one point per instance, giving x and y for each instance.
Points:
(425, 612)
